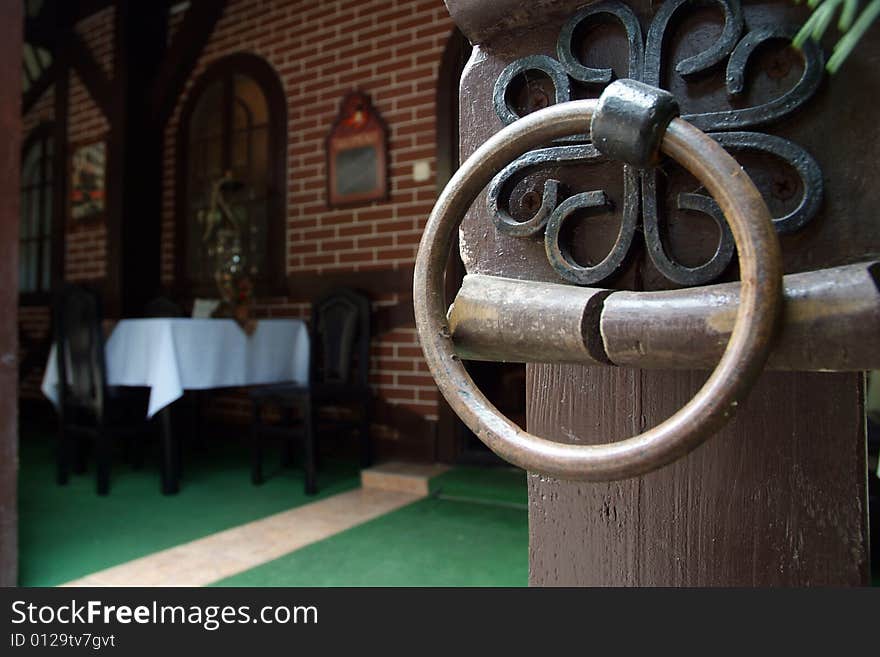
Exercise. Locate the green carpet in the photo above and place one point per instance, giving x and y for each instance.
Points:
(68, 532)
(437, 541)
(501, 485)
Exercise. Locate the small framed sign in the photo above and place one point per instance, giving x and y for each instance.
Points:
(357, 154)
(87, 182)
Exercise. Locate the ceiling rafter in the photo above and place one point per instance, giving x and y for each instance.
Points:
(39, 87)
(99, 86)
(180, 59)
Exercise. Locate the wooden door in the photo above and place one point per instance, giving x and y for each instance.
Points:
(779, 496)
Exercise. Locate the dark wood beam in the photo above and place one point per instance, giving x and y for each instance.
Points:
(60, 180)
(57, 18)
(97, 83)
(11, 17)
(42, 29)
(134, 173)
(40, 86)
(85, 8)
(182, 55)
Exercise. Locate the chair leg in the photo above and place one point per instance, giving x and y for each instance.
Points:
(257, 444)
(137, 453)
(102, 460)
(80, 455)
(310, 449)
(366, 446)
(62, 455)
(287, 445)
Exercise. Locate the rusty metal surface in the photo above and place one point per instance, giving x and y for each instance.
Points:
(830, 323)
(713, 404)
(501, 319)
(764, 75)
(630, 121)
(535, 81)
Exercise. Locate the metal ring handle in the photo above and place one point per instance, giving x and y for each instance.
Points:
(714, 403)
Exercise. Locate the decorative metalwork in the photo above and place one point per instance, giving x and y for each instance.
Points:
(729, 127)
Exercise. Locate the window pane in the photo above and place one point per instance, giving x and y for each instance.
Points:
(45, 284)
(241, 154)
(207, 119)
(47, 211)
(22, 268)
(206, 159)
(244, 151)
(241, 115)
(257, 240)
(31, 63)
(249, 94)
(24, 227)
(28, 269)
(30, 167)
(47, 169)
(44, 56)
(34, 214)
(251, 158)
(35, 254)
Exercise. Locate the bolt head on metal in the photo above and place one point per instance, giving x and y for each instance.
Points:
(630, 121)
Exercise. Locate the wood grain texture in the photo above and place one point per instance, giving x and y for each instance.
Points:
(779, 496)
(776, 498)
(10, 157)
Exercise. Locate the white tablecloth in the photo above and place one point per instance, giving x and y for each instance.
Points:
(173, 355)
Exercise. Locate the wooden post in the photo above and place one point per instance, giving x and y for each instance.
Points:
(11, 27)
(134, 184)
(779, 496)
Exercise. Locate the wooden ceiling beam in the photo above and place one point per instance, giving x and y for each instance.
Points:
(183, 53)
(94, 78)
(40, 86)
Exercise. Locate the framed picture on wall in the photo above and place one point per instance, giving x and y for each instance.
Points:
(88, 169)
(357, 154)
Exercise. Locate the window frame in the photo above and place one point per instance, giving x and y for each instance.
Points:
(39, 135)
(272, 282)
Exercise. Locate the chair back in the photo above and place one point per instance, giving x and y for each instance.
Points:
(341, 322)
(163, 307)
(79, 346)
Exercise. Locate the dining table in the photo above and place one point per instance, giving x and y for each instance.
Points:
(171, 355)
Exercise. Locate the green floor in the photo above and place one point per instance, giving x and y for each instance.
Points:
(473, 531)
(67, 532)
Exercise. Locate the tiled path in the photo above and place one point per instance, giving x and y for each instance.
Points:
(235, 550)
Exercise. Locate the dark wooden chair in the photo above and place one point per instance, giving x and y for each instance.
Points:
(163, 307)
(340, 363)
(87, 406)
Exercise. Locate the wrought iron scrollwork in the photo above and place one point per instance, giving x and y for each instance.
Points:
(735, 45)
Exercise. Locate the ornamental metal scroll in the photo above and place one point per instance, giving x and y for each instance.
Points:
(731, 128)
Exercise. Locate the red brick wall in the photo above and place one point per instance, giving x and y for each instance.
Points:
(390, 49)
(85, 246)
(85, 253)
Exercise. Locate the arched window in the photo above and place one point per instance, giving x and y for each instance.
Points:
(37, 252)
(233, 128)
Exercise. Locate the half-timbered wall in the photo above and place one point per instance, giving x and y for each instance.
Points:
(390, 49)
